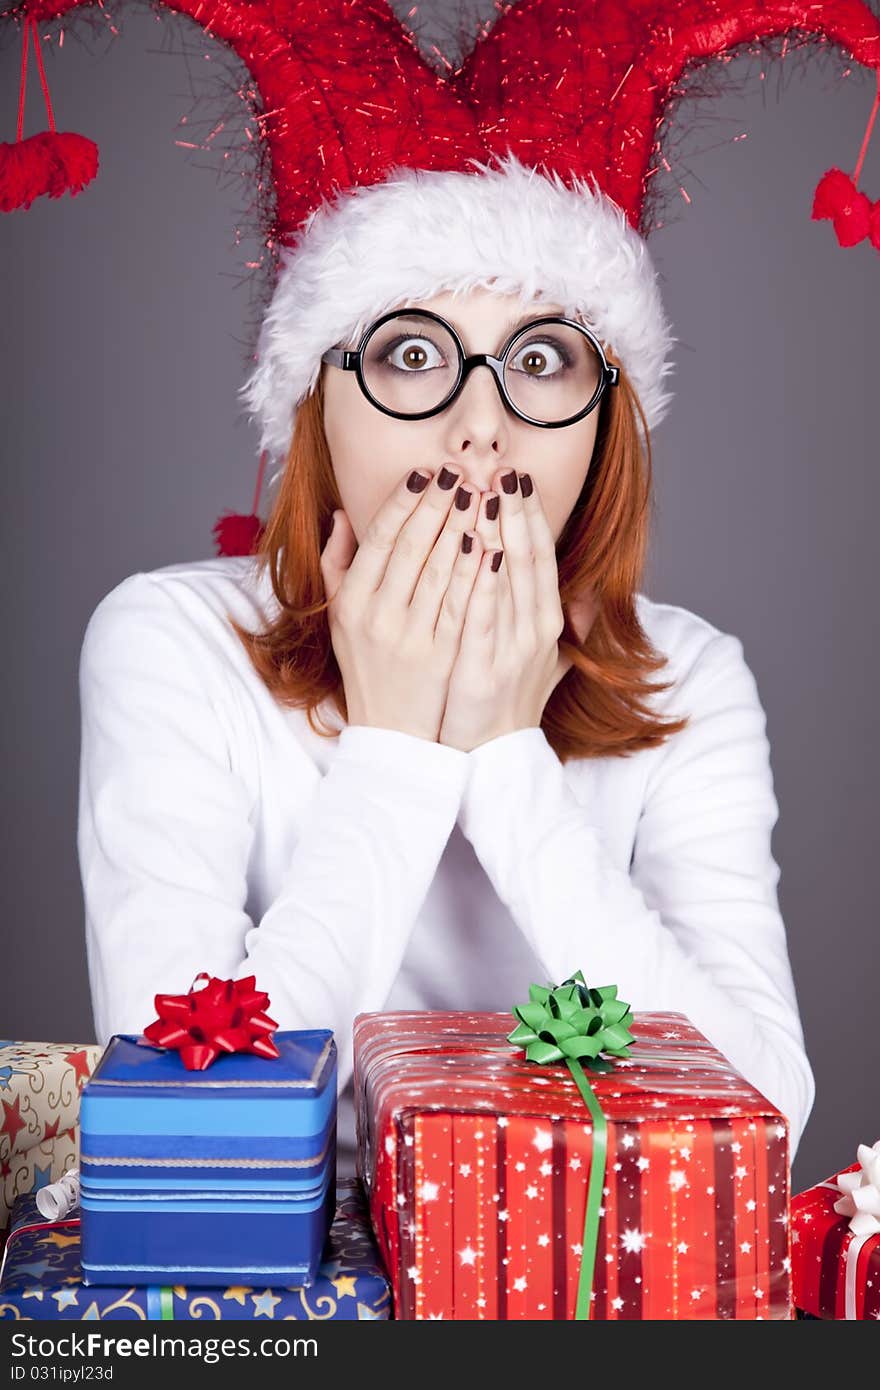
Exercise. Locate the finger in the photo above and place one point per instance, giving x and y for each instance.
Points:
(338, 553)
(419, 534)
(489, 521)
(545, 571)
(478, 633)
(418, 487)
(438, 568)
(505, 614)
(519, 561)
(456, 600)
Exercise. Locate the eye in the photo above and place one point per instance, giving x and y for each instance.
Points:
(412, 354)
(542, 357)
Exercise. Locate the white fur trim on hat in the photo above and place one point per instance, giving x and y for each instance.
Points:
(511, 229)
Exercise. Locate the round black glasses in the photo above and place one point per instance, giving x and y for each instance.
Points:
(411, 364)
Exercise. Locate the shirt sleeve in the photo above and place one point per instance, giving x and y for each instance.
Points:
(694, 927)
(166, 832)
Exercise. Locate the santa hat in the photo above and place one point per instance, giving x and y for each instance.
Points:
(508, 227)
(527, 169)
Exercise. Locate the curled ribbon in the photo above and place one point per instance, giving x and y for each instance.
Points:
(58, 1199)
(223, 1016)
(572, 1023)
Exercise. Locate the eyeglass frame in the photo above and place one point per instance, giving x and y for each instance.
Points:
(351, 360)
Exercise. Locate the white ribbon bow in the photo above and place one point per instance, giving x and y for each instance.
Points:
(59, 1198)
(861, 1192)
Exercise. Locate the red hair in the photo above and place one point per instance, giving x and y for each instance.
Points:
(601, 708)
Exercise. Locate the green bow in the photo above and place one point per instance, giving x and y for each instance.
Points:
(572, 1023)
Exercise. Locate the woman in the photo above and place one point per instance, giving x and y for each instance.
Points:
(377, 770)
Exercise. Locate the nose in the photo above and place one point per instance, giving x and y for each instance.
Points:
(478, 426)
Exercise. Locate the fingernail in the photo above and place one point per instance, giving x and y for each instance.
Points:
(525, 484)
(496, 560)
(462, 499)
(417, 482)
(445, 479)
(467, 543)
(492, 505)
(509, 482)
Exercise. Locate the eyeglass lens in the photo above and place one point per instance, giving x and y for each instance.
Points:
(410, 365)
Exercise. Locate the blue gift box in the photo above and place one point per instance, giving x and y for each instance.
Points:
(42, 1278)
(214, 1177)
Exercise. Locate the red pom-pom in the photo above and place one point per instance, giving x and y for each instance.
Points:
(237, 535)
(853, 222)
(874, 230)
(55, 178)
(27, 171)
(49, 163)
(837, 197)
(833, 190)
(77, 157)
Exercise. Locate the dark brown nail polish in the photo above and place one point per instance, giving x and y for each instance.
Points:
(509, 482)
(467, 543)
(525, 484)
(462, 499)
(417, 482)
(496, 560)
(492, 506)
(445, 479)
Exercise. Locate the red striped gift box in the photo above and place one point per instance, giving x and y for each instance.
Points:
(477, 1161)
(835, 1273)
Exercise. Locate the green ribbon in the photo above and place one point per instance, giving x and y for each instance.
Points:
(572, 1023)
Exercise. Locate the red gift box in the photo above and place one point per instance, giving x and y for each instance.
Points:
(477, 1162)
(834, 1272)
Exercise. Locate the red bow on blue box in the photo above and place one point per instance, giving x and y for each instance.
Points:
(223, 1016)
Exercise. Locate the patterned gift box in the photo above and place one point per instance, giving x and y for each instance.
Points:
(40, 1087)
(212, 1176)
(477, 1160)
(835, 1271)
(42, 1278)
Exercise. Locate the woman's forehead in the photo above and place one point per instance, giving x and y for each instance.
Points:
(478, 311)
(481, 302)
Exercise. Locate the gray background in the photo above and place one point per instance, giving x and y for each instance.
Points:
(126, 319)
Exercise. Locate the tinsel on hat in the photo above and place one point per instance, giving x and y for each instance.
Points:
(537, 159)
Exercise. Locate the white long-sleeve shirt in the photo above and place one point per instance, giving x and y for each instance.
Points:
(378, 870)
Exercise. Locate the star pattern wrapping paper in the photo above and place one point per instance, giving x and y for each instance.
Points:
(477, 1162)
(822, 1246)
(40, 1088)
(42, 1279)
